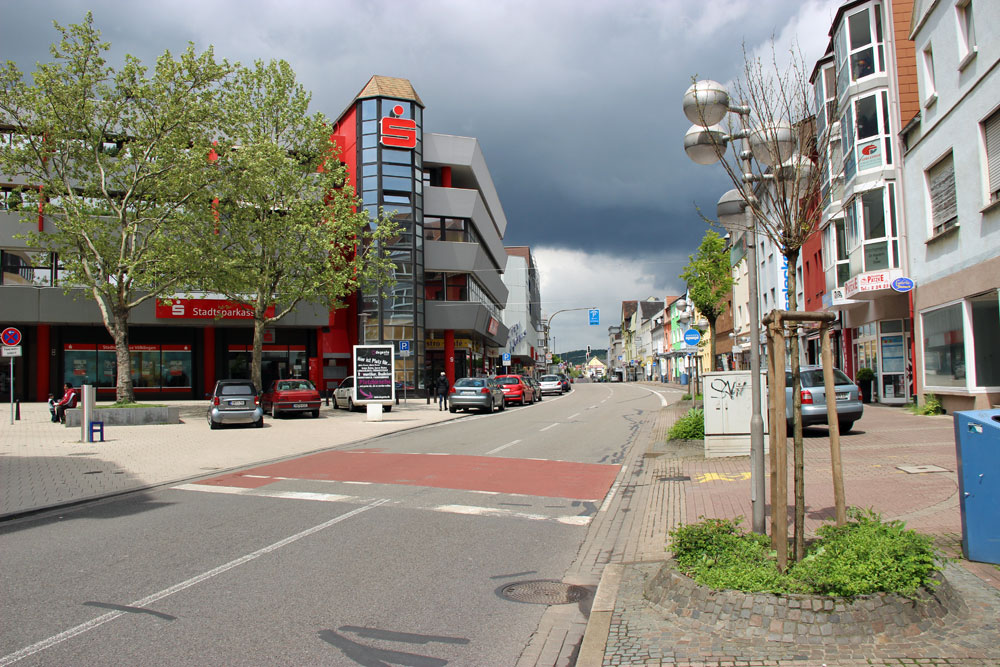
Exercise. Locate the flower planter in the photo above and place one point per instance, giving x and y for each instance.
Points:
(796, 619)
(128, 416)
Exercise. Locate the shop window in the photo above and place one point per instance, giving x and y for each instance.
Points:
(942, 194)
(985, 334)
(944, 347)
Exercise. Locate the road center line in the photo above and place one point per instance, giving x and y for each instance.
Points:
(574, 415)
(548, 427)
(176, 588)
(502, 447)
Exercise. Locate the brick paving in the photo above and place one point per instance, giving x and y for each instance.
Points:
(637, 633)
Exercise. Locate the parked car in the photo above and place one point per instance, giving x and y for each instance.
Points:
(516, 389)
(849, 405)
(235, 402)
(551, 384)
(343, 396)
(289, 396)
(480, 393)
(566, 381)
(535, 386)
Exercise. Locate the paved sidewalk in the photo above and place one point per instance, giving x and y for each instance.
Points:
(45, 465)
(682, 486)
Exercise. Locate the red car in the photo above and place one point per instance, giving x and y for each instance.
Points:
(287, 396)
(515, 389)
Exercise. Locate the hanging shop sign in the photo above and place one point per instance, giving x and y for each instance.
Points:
(867, 283)
(902, 284)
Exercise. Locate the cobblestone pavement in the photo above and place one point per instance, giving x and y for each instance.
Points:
(633, 632)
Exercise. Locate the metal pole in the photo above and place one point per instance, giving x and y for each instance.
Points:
(756, 421)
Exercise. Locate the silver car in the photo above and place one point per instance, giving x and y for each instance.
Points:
(480, 393)
(235, 402)
(849, 405)
(551, 384)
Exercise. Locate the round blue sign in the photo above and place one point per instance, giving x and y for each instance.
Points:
(11, 336)
(692, 337)
(902, 284)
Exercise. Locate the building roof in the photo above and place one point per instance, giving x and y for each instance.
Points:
(651, 309)
(628, 309)
(389, 86)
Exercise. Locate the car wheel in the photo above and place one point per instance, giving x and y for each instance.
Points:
(212, 425)
(315, 414)
(274, 410)
(452, 409)
(489, 408)
(350, 404)
(387, 408)
(845, 426)
(260, 422)
(503, 405)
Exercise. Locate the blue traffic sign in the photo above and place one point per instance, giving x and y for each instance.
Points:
(11, 336)
(595, 316)
(902, 284)
(506, 358)
(692, 337)
(404, 346)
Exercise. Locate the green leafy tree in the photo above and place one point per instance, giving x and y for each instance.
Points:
(289, 231)
(114, 158)
(709, 279)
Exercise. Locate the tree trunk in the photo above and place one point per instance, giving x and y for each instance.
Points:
(115, 316)
(711, 344)
(258, 346)
(797, 448)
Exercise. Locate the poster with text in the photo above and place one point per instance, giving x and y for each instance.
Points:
(373, 374)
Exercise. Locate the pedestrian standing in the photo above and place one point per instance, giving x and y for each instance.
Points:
(52, 407)
(442, 387)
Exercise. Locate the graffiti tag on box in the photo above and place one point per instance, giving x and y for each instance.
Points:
(728, 389)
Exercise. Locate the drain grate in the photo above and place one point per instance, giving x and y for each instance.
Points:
(543, 592)
(675, 478)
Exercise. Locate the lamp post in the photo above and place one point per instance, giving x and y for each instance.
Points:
(706, 103)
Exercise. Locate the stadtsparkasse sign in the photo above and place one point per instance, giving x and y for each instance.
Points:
(398, 132)
(373, 374)
(205, 309)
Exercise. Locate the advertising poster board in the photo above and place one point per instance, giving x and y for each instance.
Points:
(374, 373)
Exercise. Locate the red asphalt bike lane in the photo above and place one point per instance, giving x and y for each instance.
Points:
(554, 479)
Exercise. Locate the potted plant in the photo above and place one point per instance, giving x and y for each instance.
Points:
(866, 379)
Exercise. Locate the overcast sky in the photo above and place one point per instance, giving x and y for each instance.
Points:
(576, 104)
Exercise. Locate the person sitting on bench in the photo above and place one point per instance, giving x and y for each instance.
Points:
(68, 401)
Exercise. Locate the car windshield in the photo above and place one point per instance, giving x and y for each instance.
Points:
(236, 389)
(470, 382)
(550, 378)
(813, 377)
(295, 385)
(508, 380)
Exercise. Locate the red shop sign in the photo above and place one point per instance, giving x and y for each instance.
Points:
(205, 309)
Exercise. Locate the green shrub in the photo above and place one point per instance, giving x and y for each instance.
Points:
(689, 427)
(931, 406)
(866, 555)
(865, 375)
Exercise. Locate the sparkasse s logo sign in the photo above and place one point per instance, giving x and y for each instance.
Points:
(398, 132)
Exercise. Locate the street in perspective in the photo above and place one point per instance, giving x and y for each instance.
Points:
(500, 334)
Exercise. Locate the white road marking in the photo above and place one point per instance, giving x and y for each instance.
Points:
(663, 400)
(303, 495)
(365, 483)
(502, 447)
(573, 416)
(510, 514)
(436, 454)
(592, 407)
(548, 427)
(258, 476)
(176, 588)
(613, 490)
(211, 488)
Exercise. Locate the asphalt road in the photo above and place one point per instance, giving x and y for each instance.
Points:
(393, 551)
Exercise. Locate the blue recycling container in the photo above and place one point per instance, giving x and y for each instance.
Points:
(977, 439)
(684, 378)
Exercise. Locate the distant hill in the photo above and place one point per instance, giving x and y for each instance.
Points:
(580, 356)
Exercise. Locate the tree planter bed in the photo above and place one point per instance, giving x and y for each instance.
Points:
(798, 619)
(128, 416)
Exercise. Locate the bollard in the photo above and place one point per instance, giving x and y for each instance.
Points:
(17, 412)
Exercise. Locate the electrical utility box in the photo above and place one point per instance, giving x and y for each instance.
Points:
(728, 407)
(977, 438)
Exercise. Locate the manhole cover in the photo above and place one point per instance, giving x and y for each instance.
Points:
(544, 592)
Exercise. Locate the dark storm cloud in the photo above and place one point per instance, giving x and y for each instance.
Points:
(577, 105)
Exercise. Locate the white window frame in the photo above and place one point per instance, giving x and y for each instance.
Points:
(933, 225)
(965, 23)
(990, 138)
(927, 79)
(966, 314)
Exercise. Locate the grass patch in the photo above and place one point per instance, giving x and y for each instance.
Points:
(866, 555)
(689, 427)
